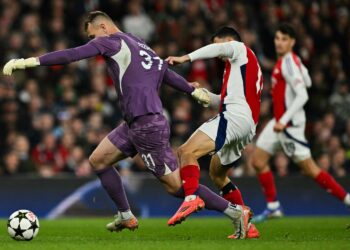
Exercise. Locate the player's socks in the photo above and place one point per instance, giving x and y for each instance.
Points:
(215, 202)
(347, 200)
(204, 198)
(273, 205)
(112, 183)
(126, 215)
(268, 184)
(190, 178)
(231, 193)
(212, 200)
(326, 181)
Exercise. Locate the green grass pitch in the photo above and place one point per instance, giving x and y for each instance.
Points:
(195, 233)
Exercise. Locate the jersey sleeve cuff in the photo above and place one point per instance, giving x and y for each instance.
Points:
(190, 55)
(284, 120)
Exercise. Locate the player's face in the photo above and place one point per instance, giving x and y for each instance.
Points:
(283, 43)
(222, 40)
(95, 30)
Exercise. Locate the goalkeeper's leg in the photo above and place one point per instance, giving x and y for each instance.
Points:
(102, 159)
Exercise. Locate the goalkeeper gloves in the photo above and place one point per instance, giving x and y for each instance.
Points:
(201, 95)
(14, 64)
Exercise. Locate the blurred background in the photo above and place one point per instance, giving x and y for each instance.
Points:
(52, 118)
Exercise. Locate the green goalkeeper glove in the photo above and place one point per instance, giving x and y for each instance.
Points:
(14, 64)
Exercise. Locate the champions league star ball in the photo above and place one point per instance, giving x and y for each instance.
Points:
(23, 225)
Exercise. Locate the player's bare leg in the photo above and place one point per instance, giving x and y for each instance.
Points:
(171, 182)
(309, 168)
(102, 159)
(199, 144)
(325, 180)
(228, 190)
(218, 174)
(260, 160)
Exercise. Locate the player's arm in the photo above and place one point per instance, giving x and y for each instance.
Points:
(69, 55)
(179, 83)
(294, 78)
(98, 46)
(306, 76)
(225, 50)
(59, 57)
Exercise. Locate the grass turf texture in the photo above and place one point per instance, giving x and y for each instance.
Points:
(195, 233)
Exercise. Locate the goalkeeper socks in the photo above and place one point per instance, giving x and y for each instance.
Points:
(327, 182)
(268, 185)
(273, 205)
(212, 200)
(190, 179)
(112, 183)
(126, 215)
(231, 193)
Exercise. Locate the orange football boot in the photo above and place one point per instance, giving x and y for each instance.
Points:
(186, 208)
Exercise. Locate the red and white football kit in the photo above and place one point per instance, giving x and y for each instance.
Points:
(234, 127)
(289, 81)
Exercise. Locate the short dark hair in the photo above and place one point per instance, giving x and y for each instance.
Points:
(227, 32)
(93, 15)
(287, 29)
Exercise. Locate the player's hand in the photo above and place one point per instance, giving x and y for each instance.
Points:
(201, 95)
(173, 60)
(14, 64)
(279, 127)
(9, 67)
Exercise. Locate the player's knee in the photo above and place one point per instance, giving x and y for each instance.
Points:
(184, 152)
(96, 162)
(258, 164)
(309, 168)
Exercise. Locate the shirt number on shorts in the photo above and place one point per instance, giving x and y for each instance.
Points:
(290, 148)
(148, 160)
(148, 60)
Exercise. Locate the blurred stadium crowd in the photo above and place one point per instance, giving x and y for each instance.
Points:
(53, 117)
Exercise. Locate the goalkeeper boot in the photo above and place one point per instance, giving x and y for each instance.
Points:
(269, 213)
(122, 222)
(242, 223)
(189, 206)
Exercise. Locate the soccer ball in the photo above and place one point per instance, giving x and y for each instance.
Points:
(23, 225)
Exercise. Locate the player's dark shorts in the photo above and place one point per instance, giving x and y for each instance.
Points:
(149, 136)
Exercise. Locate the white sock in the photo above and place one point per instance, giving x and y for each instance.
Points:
(233, 211)
(273, 205)
(126, 215)
(190, 197)
(347, 200)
